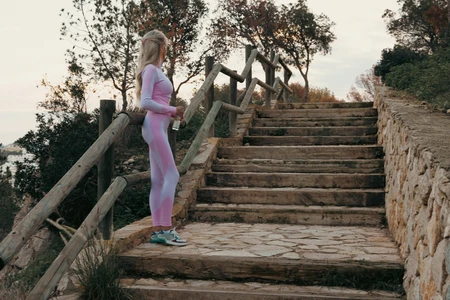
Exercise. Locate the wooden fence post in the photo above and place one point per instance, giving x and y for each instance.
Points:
(232, 116)
(248, 80)
(106, 165)
(286, 81)
(268, 78)
(209, 98)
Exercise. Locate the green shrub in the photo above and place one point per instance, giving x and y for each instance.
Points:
(97, 270)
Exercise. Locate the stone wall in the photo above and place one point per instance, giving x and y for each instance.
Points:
(416, 142)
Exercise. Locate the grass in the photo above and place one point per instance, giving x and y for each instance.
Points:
(98, 273)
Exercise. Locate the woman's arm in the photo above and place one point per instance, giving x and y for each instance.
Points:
(148, 84)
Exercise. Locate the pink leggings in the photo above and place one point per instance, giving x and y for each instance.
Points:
(164, 173)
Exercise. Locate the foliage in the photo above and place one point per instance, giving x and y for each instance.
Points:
(105, 35)
(365, 83)
(183, 22)
(315, 94)
(97, 270)
(132, 205)
(293, 29)
(426, 80)
(394, 57)
(8, 200)
(420, 25)
(242, 22)
(52, 145)
(69, 96)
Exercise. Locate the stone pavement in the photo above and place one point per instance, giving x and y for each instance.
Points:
(280, 240)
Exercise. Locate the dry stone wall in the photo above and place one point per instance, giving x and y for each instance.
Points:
(416, 142)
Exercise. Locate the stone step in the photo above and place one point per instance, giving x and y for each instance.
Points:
(176, 289)
(322, 105)
(314, 131)
(302, 152)
(289, 214)
(309, 140)
(313, 122)
(299, 165)
(300, 180)
(317, 113)
(291, 196)
(363, 257)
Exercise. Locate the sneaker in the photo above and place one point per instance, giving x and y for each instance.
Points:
(172, 238)
(155, 239)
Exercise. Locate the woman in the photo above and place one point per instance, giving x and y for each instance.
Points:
(154, 89)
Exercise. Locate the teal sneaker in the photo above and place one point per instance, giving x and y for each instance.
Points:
(154, 239)
(172, 238)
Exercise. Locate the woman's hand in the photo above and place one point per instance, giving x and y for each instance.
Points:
(180, 111)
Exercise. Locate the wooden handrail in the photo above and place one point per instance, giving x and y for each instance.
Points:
(265, 61)
(54, 273)
(12, 243)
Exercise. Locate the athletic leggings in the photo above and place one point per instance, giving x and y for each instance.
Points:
(164, 173)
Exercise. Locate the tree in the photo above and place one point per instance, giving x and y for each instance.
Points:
(52, 146)
(419, 24)
(394, 57)
(105, 37)
(293, 29)
(302, 35)
(243, 22)
(365, 87)
(71, 95)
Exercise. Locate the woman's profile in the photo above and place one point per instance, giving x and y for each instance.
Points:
(154, 90)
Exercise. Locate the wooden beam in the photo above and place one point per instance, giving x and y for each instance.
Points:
(209, 99)
(265, 61)
(266, 86)
(232, 116)
(249, 94)
(285, 66)
(201, 93)
(105, 165)
(247, 72)
(232, 74)
(54, 273)
(201, 135)
(250, 56)
(12, 243)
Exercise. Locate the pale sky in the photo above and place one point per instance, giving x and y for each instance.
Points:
(32, 49)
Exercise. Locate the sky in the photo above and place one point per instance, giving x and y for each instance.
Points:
(32, 50)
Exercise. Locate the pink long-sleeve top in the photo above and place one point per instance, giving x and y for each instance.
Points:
(156, 91)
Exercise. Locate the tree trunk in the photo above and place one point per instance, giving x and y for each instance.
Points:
(124, 99)
(305, 97)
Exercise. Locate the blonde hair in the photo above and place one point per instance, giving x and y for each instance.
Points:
(149, 53)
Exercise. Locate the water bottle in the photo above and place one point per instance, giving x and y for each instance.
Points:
(176, 123)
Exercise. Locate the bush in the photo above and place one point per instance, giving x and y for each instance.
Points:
(426, 80)
(97, 270)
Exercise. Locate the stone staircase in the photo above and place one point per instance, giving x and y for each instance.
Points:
(296, 212)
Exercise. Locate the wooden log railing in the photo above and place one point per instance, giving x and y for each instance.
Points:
(33, 220)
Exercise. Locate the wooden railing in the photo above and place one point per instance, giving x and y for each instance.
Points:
(96, 153)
